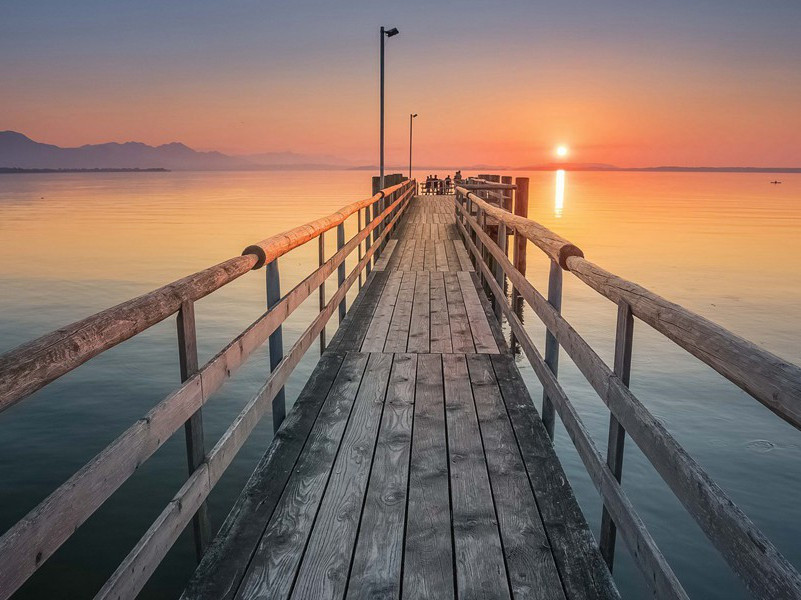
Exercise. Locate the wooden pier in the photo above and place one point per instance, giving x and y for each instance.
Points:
(414, 463)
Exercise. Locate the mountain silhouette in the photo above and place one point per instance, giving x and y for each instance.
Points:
(21, 152)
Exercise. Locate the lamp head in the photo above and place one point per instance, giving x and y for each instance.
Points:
(391, 32)
(414, 115)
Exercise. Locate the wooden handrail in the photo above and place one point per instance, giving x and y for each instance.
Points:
(32, 540)
(554, 245)
(33, 365)
(277, 245)
(767, 377)
(766, 572)
(641, 544)
(773, 381)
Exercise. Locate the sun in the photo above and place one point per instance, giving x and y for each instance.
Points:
(561, 151)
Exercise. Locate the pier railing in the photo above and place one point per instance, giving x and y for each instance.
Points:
(484, 226)
(31, 541)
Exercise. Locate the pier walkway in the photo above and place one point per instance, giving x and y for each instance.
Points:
(414, 464)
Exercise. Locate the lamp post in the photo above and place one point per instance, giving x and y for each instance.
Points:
(411, 117)
(389, 33)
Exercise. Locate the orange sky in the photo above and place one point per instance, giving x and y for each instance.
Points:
(629, 86)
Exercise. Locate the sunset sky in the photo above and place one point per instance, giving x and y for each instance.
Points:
(630, 83)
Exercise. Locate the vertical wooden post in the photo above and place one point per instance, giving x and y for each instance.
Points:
(341, 268)
(500, 276)
(617, 435)
(367, 221)
(521, 210)
(321, 260)
(276, 340)
(551, 345)
(195, 449)
(507, 194)
(480, 246)
(359, 230)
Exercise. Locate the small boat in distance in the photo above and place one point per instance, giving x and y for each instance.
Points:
(775, 182)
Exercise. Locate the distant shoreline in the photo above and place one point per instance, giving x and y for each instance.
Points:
(14, 170)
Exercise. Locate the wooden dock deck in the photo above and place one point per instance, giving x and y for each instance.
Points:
(414, 463)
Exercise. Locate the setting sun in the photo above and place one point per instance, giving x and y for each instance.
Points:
(561, 151)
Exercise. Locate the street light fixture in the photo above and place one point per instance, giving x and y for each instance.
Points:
(411, 118)
(388, 33)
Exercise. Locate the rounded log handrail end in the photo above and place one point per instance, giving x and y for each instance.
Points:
(566, 252)
(261, 255)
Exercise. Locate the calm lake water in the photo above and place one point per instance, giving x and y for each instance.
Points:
(727, 246)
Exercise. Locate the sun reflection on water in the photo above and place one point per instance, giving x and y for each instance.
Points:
(559, 202)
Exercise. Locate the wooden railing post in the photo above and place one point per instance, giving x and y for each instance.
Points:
(358, 230)
(276, 342)
(482, 222)
(321, 260)
(519, 251)
(195, 449)
(507, 193)
(624, 336)
(367, 220)
(341, 269)
(500, 276)
(551, 345)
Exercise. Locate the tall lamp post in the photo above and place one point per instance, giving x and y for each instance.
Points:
(411, 118)
(388, 33)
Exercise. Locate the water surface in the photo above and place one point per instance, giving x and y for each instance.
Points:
(724, 245)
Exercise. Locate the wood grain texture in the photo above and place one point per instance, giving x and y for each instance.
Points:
(428, 553)
(480, 565)
(219, 573)
(274, 565)
(326, 561)
(770, 379)
(554, 245)
(398, 334)
(531, 566)
(376, 335)
(420, 325)
(377, 561)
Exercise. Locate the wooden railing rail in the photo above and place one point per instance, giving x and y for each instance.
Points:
(766, 573)
(30, 542)
(34, 364)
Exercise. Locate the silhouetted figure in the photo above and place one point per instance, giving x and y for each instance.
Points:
(448, 184)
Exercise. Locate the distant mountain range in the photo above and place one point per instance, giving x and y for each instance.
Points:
(19, 152)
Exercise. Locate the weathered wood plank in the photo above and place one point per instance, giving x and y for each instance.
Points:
(440, 321)
(386, 255)
(479, 326)
(480, 565)
(350, 335)
(461, 337)
(430, 256)
(420, 326)
(530, 564)
(324, 570)
(376, 335)
(376, 570)
(428, 554)
(273, 566)
(398, 334)
(581, 567)
(464, 259)
(219, 573)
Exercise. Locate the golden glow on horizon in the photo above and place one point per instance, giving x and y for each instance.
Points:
(561, 151)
